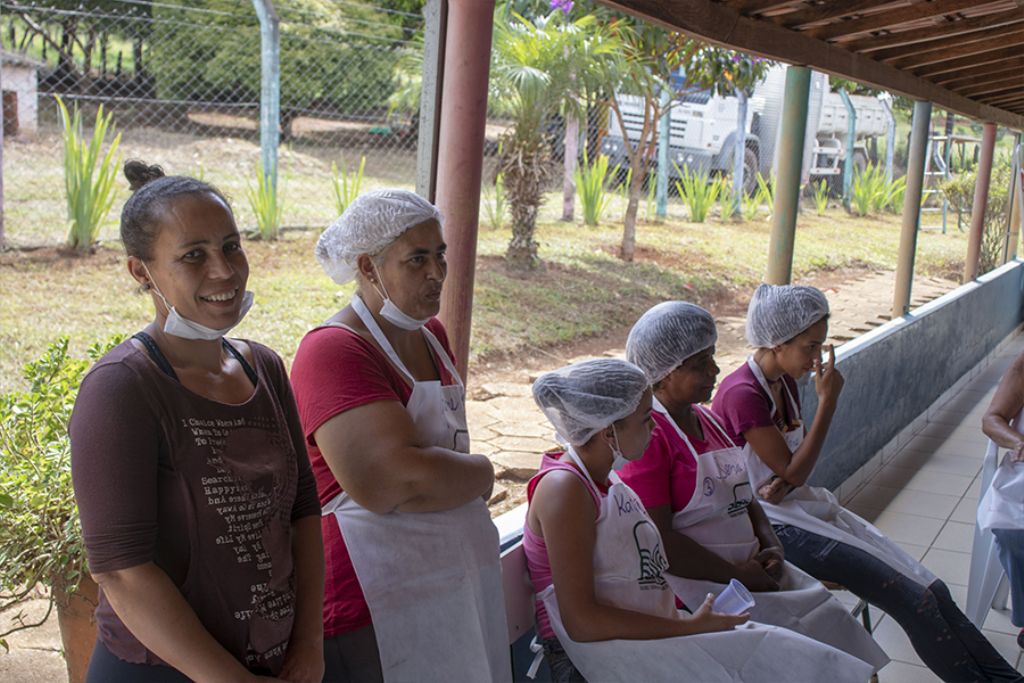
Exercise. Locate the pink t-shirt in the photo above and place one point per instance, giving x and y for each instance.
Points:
(667, 472)
(337, 370)
(743, 404)
(536, 549)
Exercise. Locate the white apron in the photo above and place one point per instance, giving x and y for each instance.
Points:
(432, 580)
(816, 509)
(628, 573)
(1002, 505)
(717, 517)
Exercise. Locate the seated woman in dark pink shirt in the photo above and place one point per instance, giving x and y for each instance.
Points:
(693, 481)
(760, 405)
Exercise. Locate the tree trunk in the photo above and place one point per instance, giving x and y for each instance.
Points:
(636, 186)
(570, 152)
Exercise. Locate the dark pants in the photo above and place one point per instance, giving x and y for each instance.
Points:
(1010, 543)
(562, 669)
(352, 658)
(105, 667)
(943, 637)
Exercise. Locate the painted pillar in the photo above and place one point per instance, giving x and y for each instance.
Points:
(890, 139)
(460, 157)
(851, 138)
(270, 87)
(787, 180)
(977, 231)
(2, 237)
(1017, 199)
(916, 154)
(664, 142)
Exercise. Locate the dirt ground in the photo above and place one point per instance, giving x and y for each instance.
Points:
(506, 424)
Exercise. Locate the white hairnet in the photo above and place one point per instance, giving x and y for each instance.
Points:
(370, 223)
(583, 398)
(668, 334)
(777, 313)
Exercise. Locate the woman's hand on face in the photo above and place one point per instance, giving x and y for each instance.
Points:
(828, 382)
(304, 662)
(707, 621)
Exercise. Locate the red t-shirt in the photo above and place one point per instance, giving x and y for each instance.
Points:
(743, 404)
(667, 472)
(337, 370)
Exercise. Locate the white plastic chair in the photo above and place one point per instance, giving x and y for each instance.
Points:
(987, 586)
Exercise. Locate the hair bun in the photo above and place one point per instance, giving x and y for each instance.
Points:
(139, 173)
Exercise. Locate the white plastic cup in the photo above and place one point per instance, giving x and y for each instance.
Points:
(735, 599)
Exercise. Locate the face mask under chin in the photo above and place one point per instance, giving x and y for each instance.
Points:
(393, 314)
(179, 326)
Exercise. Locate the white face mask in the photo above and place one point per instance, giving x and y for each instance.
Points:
(180, 326)
(395, 315)
(619, 461)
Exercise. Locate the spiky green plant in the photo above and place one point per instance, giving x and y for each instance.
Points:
(88, 174)
(820, 196)
(698, 191)
(346, 184)
(495, 202)
(593, 186)
(766, 192)
(265, 204)
(727, 201)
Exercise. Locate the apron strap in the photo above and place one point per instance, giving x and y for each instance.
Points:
(359, 306)
(589, 480)
(721, 430)
(657, 405)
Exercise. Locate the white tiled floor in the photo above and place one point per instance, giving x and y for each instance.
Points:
(925, 498)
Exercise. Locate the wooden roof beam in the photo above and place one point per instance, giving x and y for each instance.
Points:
(751, 7)
(895, 17)
(952, 41)
(1006, 100)
(717, 24)
(944, 30)
(967, 78)
(963, 49)
(954, 65)
(1015, 89)
(830, 10)
(989, 87)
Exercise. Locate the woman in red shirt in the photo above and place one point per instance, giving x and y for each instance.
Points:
(413, 582)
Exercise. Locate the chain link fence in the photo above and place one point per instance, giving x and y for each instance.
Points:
(182, 78)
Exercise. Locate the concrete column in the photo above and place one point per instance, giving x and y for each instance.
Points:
(977, 232)
(911, 207)
(787, 180)
(460, 157)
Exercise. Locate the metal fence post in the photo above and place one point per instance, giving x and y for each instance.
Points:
(787, 181)
(2, 239)
(435, 14)
(890, 139)
(664, 142)
(911, 207)
(270, 87)
(851, 137)
(1017, 201)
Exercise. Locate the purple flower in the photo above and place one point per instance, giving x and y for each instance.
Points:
(564, 5)
(736, 59)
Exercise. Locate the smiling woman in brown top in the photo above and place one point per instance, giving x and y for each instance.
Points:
(198, 508)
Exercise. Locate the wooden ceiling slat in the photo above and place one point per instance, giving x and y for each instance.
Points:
(748, 7)
(949, 41)
(998, 92)
(968, 77)
(953, 65)
(944, 30)
(719, 25)
(992, 86)
(830, 10)
(963, 49)
(1004, 99)
(895, 17)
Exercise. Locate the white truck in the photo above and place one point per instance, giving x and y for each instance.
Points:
(703, 127)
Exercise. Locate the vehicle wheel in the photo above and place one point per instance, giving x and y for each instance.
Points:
(860, 161)
(750, 170)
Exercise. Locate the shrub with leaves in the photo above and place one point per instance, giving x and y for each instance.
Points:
(820, 197)
(593, 187)
(494, 202)
(346, 184)
(89, 174)
(870, 193)
(698, 191)
(727, 201)
(265, 204)
(40, 538)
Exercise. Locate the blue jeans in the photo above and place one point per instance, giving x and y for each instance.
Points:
(943, 637)
(1010, 543)
(562, 669)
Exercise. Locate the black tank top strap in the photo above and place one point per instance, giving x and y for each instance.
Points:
(250, 371)
(156, 354)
